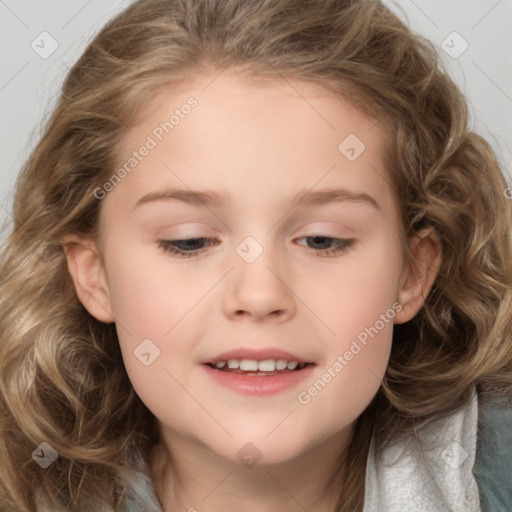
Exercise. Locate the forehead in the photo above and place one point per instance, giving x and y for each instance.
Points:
(241, 135)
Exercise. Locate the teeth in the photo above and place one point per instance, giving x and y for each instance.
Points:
(281, 364)
(267, 365)
(248, 365)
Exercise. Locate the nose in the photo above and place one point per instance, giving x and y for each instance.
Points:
(260, 290)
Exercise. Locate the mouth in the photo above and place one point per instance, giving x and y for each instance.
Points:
(258, 372)
(258, 368)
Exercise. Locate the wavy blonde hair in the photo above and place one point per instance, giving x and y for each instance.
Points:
(62, 376)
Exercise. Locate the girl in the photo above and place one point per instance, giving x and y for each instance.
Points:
(258, 261)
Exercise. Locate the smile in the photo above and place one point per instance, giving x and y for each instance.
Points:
(255, 367)
(257, 377)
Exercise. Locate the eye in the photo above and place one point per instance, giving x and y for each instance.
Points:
(190, 247)
(341, 245)
(185, 248)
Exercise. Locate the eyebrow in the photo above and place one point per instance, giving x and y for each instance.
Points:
(302, 198)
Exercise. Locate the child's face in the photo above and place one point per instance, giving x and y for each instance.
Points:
(256, 146)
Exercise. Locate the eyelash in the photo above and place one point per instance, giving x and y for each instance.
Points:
(344, 245)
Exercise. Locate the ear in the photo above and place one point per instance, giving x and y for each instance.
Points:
(418, 278)
(86, 269)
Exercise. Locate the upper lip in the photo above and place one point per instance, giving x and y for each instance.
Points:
(260, 354)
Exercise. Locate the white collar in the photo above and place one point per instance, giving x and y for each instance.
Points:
(429, 474)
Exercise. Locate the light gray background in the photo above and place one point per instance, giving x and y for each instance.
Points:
(29, 83)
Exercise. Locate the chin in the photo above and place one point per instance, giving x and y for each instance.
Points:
(250, 450)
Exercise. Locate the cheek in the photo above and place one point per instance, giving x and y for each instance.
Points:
(356, 357)
(356, 303)
(152, 307)
(146, 297)
(156, 301)
(350, 297)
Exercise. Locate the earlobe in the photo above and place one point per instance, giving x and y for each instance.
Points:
(86, 269)
(418, 278)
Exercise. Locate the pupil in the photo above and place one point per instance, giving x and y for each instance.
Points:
(191, 243)
(321, 240)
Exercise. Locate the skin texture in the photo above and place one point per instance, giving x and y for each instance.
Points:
(258, 144)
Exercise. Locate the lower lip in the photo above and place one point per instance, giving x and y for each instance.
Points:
(256, 384)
